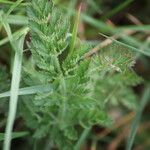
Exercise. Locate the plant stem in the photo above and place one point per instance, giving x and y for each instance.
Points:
(82, 138)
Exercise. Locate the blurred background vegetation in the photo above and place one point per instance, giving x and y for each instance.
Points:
(126, 20)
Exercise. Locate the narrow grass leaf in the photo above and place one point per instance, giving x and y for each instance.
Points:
(136, 121)
(117, 9)
(13, 6)
(103, 27)
(82, 139)
(133, 28)
(75, 31)
(10, 2)
(14, 135)
(72, 5)
(8, 30)
(17, 20)
(14, 92)
(29, 90)
(128, 46)
(13, 36)
(94, 6)
(97, 24)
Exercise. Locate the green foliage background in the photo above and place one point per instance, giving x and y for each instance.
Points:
(82, 90)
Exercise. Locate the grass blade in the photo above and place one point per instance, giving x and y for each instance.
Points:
(75, 31)
(5, 16)
(8, 30)
(128, 46)
(101, 26)
(29, 90)
(17, 20)
(117, 9)
(13, 7)
(14, 135)
(10, 3)
(136, 121)
(14, 92)
(82, 139)
(14, 35)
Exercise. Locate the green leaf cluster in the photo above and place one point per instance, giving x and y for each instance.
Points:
(82, 88)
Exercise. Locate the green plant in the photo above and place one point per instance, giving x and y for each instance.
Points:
(82, 88)
(65, 93)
